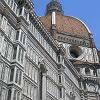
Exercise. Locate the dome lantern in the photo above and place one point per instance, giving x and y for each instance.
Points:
(54, 5)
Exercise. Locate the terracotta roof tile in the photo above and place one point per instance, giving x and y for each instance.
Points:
(66, 24)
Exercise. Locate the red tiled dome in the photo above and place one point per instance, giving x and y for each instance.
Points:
(67, 24)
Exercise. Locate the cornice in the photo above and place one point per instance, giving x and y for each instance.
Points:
(45, 33)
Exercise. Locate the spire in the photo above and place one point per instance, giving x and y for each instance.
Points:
(54, 5)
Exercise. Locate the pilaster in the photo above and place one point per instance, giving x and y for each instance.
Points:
(44, 86)
(12, 94)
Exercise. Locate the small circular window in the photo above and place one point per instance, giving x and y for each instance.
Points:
(75, 51)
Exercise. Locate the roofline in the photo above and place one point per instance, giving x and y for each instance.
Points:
(82, 23)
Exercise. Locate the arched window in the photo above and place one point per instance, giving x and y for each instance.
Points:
(78, 69)
(60, 91)
(94, 73)
(87, 71)
(61, 38)
(9, 95)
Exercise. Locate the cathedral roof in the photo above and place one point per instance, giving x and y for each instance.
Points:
(64, 24)
(67, 24)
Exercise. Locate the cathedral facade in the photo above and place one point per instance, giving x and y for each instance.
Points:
(52, 57)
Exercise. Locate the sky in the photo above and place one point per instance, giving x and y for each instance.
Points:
(86, 10)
